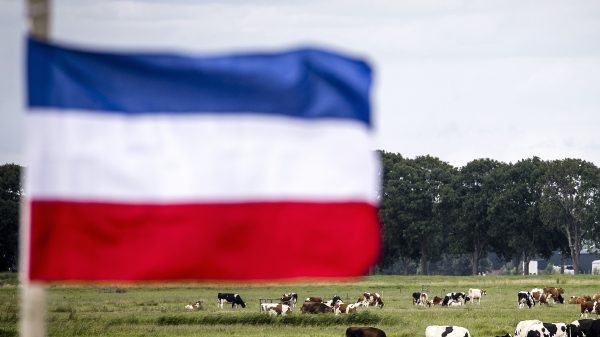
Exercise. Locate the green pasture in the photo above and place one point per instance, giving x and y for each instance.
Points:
(158, 309)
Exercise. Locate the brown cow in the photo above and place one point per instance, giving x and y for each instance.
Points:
(554, 293)
(587, 307)
(314, 299)
(315, 308)
(437, 300)
(343, 308)
(279, 309)
(579, 299)
(596, 297)
(539, 298)
(372, 299)
(364, 332)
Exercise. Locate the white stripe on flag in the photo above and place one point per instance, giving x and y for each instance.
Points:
(188, 157)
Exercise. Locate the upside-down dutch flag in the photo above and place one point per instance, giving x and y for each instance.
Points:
(148, 166)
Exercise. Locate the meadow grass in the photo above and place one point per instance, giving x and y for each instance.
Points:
(158, 309)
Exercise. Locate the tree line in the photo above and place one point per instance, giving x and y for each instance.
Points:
(430, 209)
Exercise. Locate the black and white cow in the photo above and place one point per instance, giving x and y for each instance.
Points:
(458, 298)
(524, 298)
(446, 331)
(333, 301)
(531, 328)
(594, 330)
(234, 299)
(289, 299)
(579, 328)
(556, 329)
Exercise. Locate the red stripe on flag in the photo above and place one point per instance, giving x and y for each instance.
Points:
(249, 241)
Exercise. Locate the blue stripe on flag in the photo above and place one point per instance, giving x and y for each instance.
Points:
(303, 83)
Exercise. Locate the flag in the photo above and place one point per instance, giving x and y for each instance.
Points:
(158, 166)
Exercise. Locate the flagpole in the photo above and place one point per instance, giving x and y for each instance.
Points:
(34, 306)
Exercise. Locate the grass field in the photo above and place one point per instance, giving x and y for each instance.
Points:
(158, 309)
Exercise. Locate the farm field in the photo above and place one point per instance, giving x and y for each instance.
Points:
(158, 309)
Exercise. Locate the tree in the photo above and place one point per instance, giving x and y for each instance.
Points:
(570, 199)
(10, 195)
(409, 209)
(520, 231)
(473, 189)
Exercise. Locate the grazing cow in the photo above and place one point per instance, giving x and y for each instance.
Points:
(579, 328)
(454, 299)
(315, 308)
(313, 299)
(446, 331)
(234, 299)
(343, 308)
(420, 298)
(590, 307)
(556, 329)
(554, 293)
(416, 297)
(524, 298)
(279, 309)
(475, 294)
(372, 299)
(354, 331)
(289, 299)
(539, 298)
(437, 300)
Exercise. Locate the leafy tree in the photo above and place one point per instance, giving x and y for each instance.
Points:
(520, 230)
(570, 201)
(472, 192)
(409, 209)
(10, 195)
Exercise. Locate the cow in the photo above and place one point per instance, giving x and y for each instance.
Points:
(289, 299)
(364, 332)
(279, 309)
(266, 306)
(590, 307)
(315, 308)
(343, 308)
(234, 299)
(193, 306)
(475, 294)
(437, 300)
(313, 299)
(506, 335)
(539, 298)
(531, 328)
(596, 297)
(554, 293)
(579, 328)
(333, 301)
(556, 329)
(523, 326)
(372, 299)
(524, 298)
(594, 330)
(453, 299)
(416, 297)
(579, 299)
(446, 331)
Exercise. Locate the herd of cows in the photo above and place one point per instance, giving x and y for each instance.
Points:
(529, 328)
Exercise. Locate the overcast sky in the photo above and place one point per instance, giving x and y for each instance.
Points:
(458, 80)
